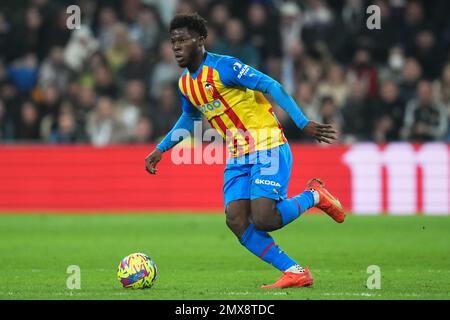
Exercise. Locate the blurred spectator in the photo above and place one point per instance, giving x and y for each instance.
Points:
(116, 55)
(380, 40)
(201, 6)
(104, 82)
(103, 126)
(425, 119)
(220, 14)
(28, 36)
(317, 22)
(49, 122)
(24, 72)
(137, 65)
(441, 87)
(329, 113)
(234, 44)
(357, 117)
(49, 103)
(11, 99)
(80, 47)
(148, 30)
(394, 66)
(390, 110)
(6, 49)
(352, 15)
(129, 109)
(211, 40)
(167, 110)
(411, 75)
(290, 24)
(414, 20)
(6, 126)
(310, 69)
(292, 49)
(166, 8)
(307, 102)
(263, 36)
(65, 131)
(185, 6)
(129, 10)
(84, 104)
(54, 71)
(28, 127)
(364, 71)
(165, 71)
(143, 131)
(88, 9)
(55, 31)
(105, 30)
(334, 85)
(428, 54)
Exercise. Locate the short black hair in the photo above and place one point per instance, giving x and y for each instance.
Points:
(191, 21)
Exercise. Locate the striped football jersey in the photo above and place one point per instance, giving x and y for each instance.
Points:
(223, 90)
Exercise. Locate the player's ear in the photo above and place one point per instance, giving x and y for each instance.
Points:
(201, 41)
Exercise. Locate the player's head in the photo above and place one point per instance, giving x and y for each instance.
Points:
(187, 35)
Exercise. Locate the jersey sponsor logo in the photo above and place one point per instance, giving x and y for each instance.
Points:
(237, 66)
(243, 71)
(267, 182)
(205, 108)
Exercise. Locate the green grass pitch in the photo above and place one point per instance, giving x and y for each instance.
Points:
(199, 258)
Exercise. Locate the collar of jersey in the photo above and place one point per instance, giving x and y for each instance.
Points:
(195, 74)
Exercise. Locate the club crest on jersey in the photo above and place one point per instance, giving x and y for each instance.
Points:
(209, 89)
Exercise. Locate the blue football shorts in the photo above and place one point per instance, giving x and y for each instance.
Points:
(264, 173)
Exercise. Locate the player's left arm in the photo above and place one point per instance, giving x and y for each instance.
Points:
(239, 74)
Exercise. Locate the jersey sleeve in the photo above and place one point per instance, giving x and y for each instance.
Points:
(234, 72)
(186, 122)
(187, 106)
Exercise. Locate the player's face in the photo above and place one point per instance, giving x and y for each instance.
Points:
(185, 45)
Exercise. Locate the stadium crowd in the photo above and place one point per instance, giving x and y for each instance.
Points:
(115, 79)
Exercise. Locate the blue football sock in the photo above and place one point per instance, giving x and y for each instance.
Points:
(261, 244)
(292, 208)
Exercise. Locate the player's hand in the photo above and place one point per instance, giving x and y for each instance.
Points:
(151, 160)
(320, 132)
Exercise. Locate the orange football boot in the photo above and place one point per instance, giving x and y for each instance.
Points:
(327, 202)
(292, 280)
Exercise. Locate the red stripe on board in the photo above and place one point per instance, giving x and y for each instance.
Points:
(384, 190)
(194, 95)
(200, 87)
(267, 249)
(419, 188)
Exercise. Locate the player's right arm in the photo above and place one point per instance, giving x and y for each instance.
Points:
(235, 73)
(185, 122)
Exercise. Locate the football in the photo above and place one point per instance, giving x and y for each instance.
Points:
(137, 271)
